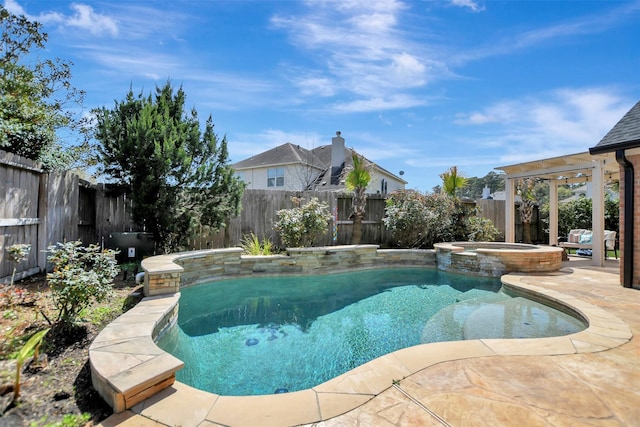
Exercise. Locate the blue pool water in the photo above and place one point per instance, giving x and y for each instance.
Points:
(276, 334)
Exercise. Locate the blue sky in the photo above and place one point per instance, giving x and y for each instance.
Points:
(416, 86)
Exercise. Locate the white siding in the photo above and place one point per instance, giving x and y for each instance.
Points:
(295, 177)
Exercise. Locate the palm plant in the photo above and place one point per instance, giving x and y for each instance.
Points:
(357, 180)
(525, 191)
(452, 181)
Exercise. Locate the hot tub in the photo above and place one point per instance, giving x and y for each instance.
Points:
(493, 259)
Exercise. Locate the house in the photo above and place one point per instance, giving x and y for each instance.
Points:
(295, 168)
(624, 140)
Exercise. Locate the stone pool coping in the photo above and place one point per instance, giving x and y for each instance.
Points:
(124, 355)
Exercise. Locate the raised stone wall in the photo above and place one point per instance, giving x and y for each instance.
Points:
(165, 274)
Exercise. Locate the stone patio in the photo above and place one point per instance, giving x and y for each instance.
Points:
(590, 378)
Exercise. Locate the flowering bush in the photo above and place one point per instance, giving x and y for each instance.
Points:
(420, 220)
(81, 275)
(406, 217)
(302, 225)
(444, 219)
(481, 229)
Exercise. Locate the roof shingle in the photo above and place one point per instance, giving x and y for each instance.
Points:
(624, 135)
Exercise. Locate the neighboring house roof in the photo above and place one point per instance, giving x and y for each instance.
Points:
(319, 157)
(324, 154)
(281, 155)
(624, 135)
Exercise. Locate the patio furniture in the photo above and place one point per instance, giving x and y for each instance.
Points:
(582, 239)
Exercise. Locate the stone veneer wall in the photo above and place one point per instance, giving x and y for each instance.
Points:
(165, 274)
(496, 259)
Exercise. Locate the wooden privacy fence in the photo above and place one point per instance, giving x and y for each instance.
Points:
(258, 216)
(20, 221)
(42, 208)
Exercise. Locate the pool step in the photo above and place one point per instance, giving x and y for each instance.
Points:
(497, 316)
(448, 323)
(517, 318)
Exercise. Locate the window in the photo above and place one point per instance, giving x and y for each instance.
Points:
(275, 177)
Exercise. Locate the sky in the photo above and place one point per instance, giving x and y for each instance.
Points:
(414, 86)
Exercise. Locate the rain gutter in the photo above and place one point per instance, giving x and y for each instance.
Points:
(628, 217)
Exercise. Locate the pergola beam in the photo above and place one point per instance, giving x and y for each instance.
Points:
(556, 170)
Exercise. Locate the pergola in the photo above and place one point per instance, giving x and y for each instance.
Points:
(570, 169)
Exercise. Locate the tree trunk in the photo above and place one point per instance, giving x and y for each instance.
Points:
(356, 236)
(526, 232)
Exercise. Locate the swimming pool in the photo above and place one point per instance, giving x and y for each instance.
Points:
(276, 334)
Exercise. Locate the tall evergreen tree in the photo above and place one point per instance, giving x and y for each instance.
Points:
(179, 176)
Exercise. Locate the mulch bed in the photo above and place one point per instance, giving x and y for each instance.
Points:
(59, 383)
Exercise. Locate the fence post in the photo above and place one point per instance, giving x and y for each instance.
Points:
(43, 209)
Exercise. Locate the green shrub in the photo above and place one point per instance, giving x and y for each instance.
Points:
(16, 253)
(577, 214)
(481, 229)
(420, 220)
(302, 225)
(80, 276)
(406, 217)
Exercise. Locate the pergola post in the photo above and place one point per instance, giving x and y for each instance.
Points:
(509, 210)
(597, 215)
(553, 212)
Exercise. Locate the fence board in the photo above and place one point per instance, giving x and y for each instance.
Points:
(19, 187)
(62, 207)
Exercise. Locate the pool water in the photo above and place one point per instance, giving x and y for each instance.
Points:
(280, 334)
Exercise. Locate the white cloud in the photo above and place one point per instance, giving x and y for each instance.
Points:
(391, 102)
(374, 22)
(316, 85)
(579, 26)
(87, 19)
(408, 70)
(84, 17)
(501, 112)
(563, 121)
(363, 50)
(13, 7)
(473, 5)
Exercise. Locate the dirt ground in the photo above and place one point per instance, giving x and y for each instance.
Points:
(55, 390)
